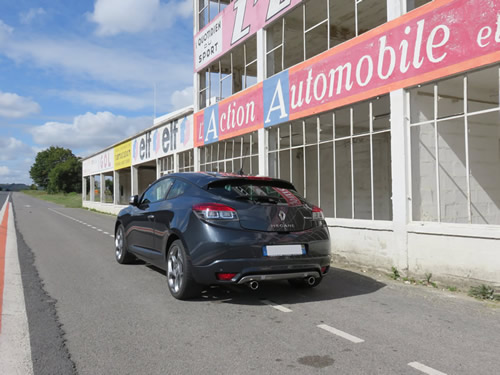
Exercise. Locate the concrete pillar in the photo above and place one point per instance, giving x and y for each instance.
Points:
(103, 187)
(134, 177)
(116, 187)
(196, 159)
(400, 173)
(261, 56)
(263, 164)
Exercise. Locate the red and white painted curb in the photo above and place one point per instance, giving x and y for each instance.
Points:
(15, 347)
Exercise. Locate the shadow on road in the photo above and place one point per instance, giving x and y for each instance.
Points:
(337, 284)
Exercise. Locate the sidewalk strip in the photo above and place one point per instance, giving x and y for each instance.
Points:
(425, 369)
(276, 306)
(340, 333)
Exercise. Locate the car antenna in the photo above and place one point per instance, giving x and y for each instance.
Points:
(240, 172)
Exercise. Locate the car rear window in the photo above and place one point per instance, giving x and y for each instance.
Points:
(272, 191)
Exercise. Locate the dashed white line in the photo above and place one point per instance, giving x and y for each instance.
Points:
(340, 333)
(276, 306)
(79, 221)
(425, 369)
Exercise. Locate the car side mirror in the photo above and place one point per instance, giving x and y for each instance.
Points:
(134, 200)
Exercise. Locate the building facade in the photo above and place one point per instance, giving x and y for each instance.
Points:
(385, 113)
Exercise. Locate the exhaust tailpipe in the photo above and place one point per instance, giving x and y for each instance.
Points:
(311, 280)
(254, 285)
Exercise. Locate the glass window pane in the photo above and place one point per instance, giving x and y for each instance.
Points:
(251, 49)
(382, 181)
(343, 122)
(316, 40)
(284, 136)
(311, 130)
(452, 172)
(423, 173)
(362, 178)
(255, 165)
(274, 62)
(451, 97)
(272, 163)
(342, 21)
(371, 13)
(361, 118)
(482, 89)
(422, 103)
(412, 4)
(381, 108)
(326, 127)
(294, 38)
(272, 138)
(274, 35)
(316, 11)
(312, 174)
(484, 161)
(298, 169)
(326, 178)
(343, 191)
(297, 133)
(284, 171)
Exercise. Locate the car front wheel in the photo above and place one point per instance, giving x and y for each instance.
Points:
(121, 254)
(180, 281)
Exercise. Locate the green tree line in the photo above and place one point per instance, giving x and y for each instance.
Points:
(56, 170)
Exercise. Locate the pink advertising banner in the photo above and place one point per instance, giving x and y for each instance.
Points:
(439, 39)
(237, 22)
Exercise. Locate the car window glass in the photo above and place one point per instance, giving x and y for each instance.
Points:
(177, 189)
(259, 192)
(157, 192)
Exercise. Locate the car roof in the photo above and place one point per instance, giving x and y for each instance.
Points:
(202, 179)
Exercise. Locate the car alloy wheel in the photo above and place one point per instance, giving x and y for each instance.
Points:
(121, 254)
(175, 270)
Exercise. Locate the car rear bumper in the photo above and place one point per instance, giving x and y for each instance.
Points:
(264, 269)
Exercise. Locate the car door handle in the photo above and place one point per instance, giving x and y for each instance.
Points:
(151, 217)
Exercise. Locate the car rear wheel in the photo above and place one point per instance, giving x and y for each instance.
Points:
(304, 283)
(121, 254)
(180, 281)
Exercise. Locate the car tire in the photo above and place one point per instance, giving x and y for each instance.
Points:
(121, 253)
(302, 283)
(179, 273)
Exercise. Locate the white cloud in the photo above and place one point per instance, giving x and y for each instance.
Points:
(15, 106)
(28, 17)
(87, 60)
(131, 16)
(89, 132)
(4, 171)
(5, 31)
(108, 99)
(13, 149)
(182, 98)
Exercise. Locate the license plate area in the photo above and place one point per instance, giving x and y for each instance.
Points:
(283, 250)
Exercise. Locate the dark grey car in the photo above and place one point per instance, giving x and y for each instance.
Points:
(211, 228)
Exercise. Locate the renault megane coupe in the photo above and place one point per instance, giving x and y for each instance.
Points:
(219, 229)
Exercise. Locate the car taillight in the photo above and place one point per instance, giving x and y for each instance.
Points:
(215, 211)
(317, 213)
(224, 276)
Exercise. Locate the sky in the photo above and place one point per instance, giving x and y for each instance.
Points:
(82, 74)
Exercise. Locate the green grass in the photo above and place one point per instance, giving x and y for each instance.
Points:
(73, 200)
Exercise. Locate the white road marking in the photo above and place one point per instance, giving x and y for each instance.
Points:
(425, 369)
(112, 236)
(340, 333)
(78, 221)
(276, 306)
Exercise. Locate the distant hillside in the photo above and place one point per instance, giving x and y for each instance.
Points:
(13, 187)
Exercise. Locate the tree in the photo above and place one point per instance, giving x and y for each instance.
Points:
(47, 160)
(66, 176)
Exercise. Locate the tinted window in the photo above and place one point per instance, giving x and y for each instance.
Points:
(157, 191)
(258, 192)
(178, 188)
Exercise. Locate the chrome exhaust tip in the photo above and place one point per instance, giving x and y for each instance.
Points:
(311, 280)
(254, 285)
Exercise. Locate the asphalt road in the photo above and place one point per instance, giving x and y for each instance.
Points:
(89, 315)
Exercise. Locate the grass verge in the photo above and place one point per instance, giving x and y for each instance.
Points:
(73, 200)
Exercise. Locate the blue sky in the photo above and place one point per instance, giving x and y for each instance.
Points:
(80, 74)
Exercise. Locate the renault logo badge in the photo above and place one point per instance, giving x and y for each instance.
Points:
(282, 215)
